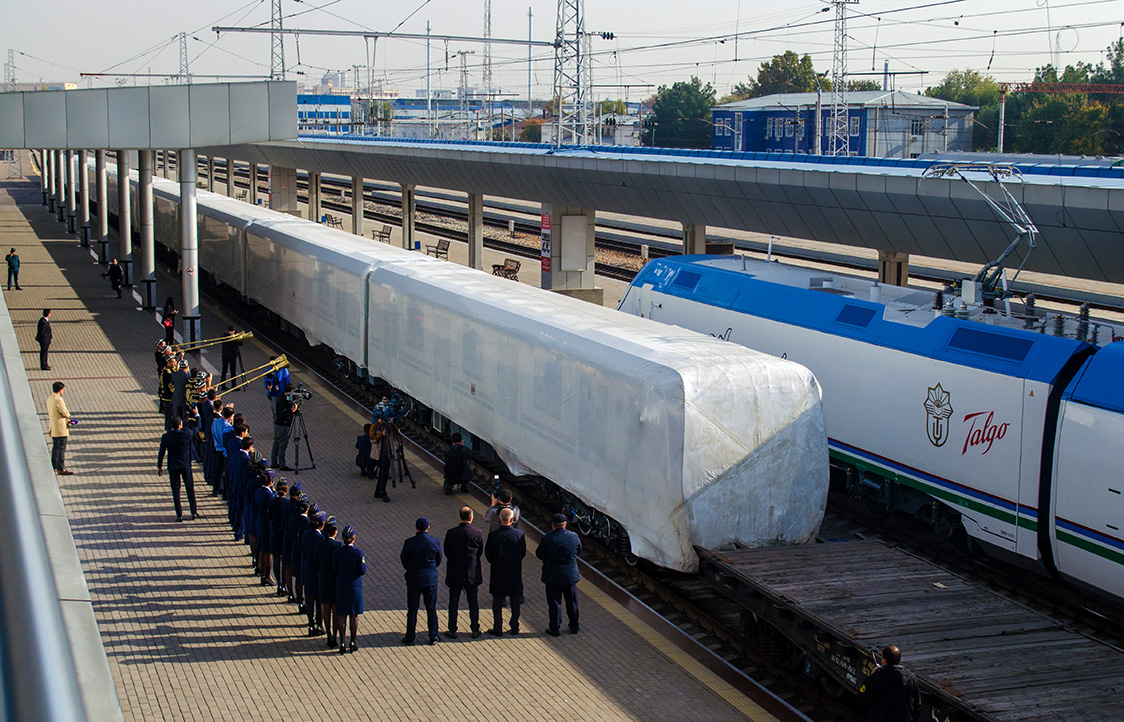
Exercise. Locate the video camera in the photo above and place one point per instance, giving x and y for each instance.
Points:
(298, 395)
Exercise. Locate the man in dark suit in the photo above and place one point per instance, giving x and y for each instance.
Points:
(505, 549)
(177, 445)
(464, 545)
(230, 353)
(421, 554)
(559, 550)
(43, 337)
(457, 471)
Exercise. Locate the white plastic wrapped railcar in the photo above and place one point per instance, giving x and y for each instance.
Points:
(682, 438)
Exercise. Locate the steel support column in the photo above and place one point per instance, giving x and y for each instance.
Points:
(357, 206)
(71, 193)
(49, 167)
(189, 247)
(253, 183)
(101, 188)
(314, 207)
(408, 203)
(44, 176)
(893, 268)
(694, 239)
(229, 177)
(476, 230)
(60, 185)
(147, 270)
(84, 198)
(124, 218)
(211, 173)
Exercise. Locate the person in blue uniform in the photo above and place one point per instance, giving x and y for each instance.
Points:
(464, 545)
(288, 511)
(421, 555)
(559, 550)
(310, 572)
(177, 445)
(298, 522)
(274, 514)
(238, 458)
(325, 554)
(219, 424)
(350, 566)
(505, 548)
(263, 497)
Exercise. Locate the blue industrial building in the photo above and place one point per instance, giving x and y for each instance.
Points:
(884, 124)
(325, 113)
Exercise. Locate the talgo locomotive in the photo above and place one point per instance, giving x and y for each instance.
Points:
(995, 429)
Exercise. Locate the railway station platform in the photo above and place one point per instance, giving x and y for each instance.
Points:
(191, 635)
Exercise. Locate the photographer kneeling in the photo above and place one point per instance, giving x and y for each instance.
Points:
(283, 412)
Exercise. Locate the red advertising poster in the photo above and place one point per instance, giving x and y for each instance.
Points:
(546, 243)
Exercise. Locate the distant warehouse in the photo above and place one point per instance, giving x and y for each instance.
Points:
(884, 124)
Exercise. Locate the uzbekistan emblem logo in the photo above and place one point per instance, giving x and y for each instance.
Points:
(939, 409)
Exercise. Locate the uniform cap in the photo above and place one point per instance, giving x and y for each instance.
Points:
(303, 497)
(296, 486)
(314, 509)
(160, 345)
(421, 524)
(558, 519)
(183, 364)
(321, 516)
(349, 532)
(332, 520)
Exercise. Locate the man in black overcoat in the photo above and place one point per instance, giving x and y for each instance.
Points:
(559, 550)
(43, 338)
(421, 555)
(464, 544)
(505, 549)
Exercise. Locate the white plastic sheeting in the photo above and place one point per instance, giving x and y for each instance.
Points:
(683, 438)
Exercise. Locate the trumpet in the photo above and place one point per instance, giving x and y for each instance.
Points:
(247, 378)
(196, 345)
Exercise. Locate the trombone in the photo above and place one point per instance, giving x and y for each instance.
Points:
(275, 365)
(196, 345)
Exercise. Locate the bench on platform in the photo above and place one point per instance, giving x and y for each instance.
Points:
(508, 269)
(381, 235)
(439, 250)
(333, 221)
(241, 195)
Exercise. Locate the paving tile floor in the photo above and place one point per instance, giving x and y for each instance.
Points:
(190, 634)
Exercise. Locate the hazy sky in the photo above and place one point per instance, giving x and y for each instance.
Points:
(656, 41)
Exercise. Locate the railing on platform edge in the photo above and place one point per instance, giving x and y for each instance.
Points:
(39, 678)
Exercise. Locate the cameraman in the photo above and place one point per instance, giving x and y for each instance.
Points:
(230, 352)
(283, 412)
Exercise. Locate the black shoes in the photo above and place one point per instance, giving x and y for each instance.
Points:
(513, 631)
(434, 640)
(179, 518)
(554, 632)
(475, 633)
(495, 632)
(195, 515)
(352, 648)
(451, 635)
(284, 468)
(575, 629)
(407, 641)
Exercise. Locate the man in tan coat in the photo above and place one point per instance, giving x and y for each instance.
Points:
(60, 429)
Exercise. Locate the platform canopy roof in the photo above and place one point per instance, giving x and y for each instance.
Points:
(149, 117)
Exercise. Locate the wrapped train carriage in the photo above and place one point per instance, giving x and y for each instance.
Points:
(681, 438)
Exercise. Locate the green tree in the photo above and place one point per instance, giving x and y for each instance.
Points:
(532, 131)
(680, 116)
(969, 87)
(611, 107)
(785, 73)
(859, 86)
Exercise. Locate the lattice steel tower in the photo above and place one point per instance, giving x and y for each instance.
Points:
(571, 125)
(488, 61)
(838, 127)
(277, 49)
(10, 72)
(185, 73)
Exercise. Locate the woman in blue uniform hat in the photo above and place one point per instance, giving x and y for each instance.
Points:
(350, 567)
(325, 554)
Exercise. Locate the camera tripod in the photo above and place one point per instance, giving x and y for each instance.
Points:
(399, 471)
(297, 431)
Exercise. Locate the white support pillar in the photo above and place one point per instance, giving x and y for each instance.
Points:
(44, 175)
(147, 270)
(50, 167)
(357, 205)
(408, 220)
(253, 184)
(124, 218)
(283, 190)
(314, 207)
(101, 185)
(568, 251)
(83, 199)
(893, 268)
(60, 185)
(229, 177)
(71, 192)
(211, 173)
(476, 230)
(694, 239)
(189, 247)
